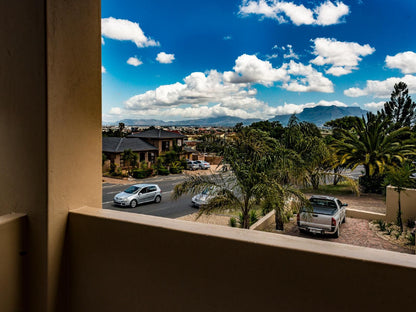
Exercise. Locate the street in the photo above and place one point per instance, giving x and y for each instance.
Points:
(167, 208)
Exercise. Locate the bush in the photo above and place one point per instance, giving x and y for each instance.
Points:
(139, 174)
(233, 222)
(411, 238)
(373, 184)
(142, 173)
(163, 171)
(410, 223)
(253, 217)
(381, 225)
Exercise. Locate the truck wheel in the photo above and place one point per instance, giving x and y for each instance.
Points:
(336, 234)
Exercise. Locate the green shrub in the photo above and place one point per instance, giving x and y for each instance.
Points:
(410, 239)
(253, 217)
(139, 174)
(113, 167)
(233, 222)
(163, 171)
(174, 170)
(410, 223)
(381, 225)
(373, 184)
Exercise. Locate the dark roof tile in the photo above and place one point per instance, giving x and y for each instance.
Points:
(118, 145)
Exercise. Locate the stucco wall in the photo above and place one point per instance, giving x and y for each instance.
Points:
(128, 262)
(12, 253)
(408, 204)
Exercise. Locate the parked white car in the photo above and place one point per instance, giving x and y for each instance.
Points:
(138, 194)
(203, 164)
(192, 165)
(202, 198)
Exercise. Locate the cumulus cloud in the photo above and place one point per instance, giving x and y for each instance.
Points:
(102, 41)
(227, 37)
(307, 79)
(327, 13)
(230, 93)
(343, 56)
(373, 106)
(382, 88)
(165, 58)
(134, 61)
(405, 61)
(103, 71)
(250, 69)
(125, 30)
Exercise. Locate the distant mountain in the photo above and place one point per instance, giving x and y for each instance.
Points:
(321, 114)
(223, 121)
(317, 115)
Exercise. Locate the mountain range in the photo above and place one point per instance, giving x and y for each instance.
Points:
(317, 115)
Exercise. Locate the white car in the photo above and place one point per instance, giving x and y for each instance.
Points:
(202, 198)
(138, 194)
(203, 164)
(192, 165)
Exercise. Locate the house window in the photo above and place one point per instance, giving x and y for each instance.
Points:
(151, 157)
(142, 156)
(165, 146)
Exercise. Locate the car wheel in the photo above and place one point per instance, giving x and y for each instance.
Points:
(158, 199)
(133, 203)
(336, 234)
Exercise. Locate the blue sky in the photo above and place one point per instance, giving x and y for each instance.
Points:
(188, 59)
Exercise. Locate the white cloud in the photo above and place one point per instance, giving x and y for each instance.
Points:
(329, 13)
(382, 88)
(343, 56)
(102, 41)
(308, 79)
(290, 54)
(227, 37)
(165, 58)
(250, 69)
(373, 106)
(134, 61)
(325, 14)
(103, 71)
(121, 29)
(230, 93)
(405, 61)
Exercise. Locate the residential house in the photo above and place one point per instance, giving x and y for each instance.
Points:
(113, 147)
(162, 139)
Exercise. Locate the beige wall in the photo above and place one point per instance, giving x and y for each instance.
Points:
(408, 204)
(50, 125)
(128, 262)
(12, 240)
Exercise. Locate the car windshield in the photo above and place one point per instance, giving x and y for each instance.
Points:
(132, 189)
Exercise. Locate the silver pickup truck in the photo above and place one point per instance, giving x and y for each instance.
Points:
(324, 216)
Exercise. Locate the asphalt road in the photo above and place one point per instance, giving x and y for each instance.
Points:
(167, 208)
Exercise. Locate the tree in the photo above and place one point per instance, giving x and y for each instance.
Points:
(400, 178)
(373, 144)
(129, 158)
(401, 110)
(121, 127)
(253, 158)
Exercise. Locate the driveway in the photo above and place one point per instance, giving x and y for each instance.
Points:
(353, 232)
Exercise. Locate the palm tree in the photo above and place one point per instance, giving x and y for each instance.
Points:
(399, 177)
(251, 156)
(374, 144)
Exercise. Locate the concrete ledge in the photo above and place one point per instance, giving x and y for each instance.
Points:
(264, 222)
(366, 215)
